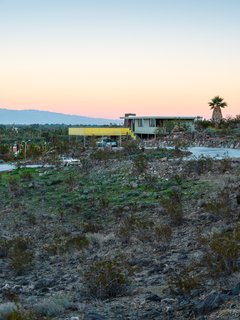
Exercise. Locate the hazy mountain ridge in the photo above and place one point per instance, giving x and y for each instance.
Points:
(8, 116)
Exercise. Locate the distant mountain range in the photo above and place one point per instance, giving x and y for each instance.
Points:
(8, 116)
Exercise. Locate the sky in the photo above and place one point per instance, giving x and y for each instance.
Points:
(104, 58)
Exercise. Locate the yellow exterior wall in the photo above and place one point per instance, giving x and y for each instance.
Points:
(100, 132)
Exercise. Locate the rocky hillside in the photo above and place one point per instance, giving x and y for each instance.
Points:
(139, 236)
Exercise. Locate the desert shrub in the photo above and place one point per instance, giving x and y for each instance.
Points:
(51, 307)
(130, 147)
(179, 179)
(87, 165)
(76, 207)
(21, 243)
(26, 176)
(91, 227)
(184, 281)
(150, 180)
(101, 155)
(71, 182)
(125, 233)
(199, 166)
(106, 279)
(220, 206)
(63, 244)
(203, 124)
(222, 252)
(4, 247)
(51, 248)
(163, 233)
(31, 218)
(140, 164)
(92, 141)
(103, 202)
(20, 255)
(9, 295)
(140, 226)
(15, 187)
(225, 164)
(172, 205)
(77, 242)
(22, 315)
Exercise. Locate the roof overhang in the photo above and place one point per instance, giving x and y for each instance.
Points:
(162, 117)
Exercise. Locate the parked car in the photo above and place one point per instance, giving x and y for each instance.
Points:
(106, 142)
(69, 161)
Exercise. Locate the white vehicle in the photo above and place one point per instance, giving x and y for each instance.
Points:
(69, 161)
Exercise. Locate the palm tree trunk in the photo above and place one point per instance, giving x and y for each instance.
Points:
(216, 116)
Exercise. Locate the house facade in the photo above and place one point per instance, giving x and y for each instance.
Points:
(150, 126)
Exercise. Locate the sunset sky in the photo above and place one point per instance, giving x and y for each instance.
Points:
(104, 58)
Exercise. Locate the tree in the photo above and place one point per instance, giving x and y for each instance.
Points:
(216, 104)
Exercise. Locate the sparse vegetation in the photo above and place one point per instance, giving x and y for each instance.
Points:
(64, 229)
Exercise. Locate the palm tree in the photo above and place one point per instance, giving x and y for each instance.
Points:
(216, 104)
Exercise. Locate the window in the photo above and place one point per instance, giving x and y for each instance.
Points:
(140, 122)
(152, 123)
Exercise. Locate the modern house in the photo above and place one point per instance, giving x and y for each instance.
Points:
(138, 126)
(149, 126)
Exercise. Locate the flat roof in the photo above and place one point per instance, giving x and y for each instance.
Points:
(161, 117)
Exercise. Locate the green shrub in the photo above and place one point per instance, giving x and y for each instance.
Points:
(106, 279)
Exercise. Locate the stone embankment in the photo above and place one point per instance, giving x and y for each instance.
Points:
(192, 142)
